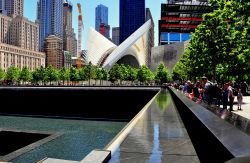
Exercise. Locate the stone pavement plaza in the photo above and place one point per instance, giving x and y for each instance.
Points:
(245, 112)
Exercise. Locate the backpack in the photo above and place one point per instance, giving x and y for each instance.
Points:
(212, 89)
(235, 92)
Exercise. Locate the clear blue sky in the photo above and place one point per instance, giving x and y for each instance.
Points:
(88, 7)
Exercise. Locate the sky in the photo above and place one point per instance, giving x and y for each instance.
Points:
(88, 9)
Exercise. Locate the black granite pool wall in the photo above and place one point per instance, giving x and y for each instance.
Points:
(87, 103)
(208, 147)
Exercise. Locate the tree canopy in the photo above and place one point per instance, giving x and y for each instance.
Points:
(220, 46)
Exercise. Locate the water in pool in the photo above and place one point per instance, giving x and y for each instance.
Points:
(77, 137)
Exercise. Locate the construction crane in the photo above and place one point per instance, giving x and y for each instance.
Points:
(80, 28)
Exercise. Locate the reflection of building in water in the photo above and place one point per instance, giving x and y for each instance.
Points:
(153, 136)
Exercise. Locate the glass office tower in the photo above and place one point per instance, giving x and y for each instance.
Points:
(132, 17)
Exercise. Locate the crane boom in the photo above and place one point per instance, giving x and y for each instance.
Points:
(80, 28)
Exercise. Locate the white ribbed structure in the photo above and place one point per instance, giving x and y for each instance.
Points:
(136, 45)
(97, 46)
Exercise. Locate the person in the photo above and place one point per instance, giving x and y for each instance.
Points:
(231, 97)
(207, 90)
(244, 88)
(239, 99)
(225, 96)
(189, 87)
(196, 90)
(219, 94)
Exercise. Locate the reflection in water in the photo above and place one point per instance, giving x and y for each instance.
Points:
(156, 152)
(163, 100)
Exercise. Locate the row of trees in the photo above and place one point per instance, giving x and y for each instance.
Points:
(220, 46)
(118, 73)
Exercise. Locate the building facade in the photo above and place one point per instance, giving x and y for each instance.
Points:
(179, 19)
(54, 51)
(50, 20)
(25, 34)
(151, 35)
(105, 30)
(2, 7)
(116, 35)
(101, 16)
(132, 17)
(5, 29)
(13, 7)
(19, 41)
(38, 11)
(69, 36)
(67, 59)
(15, 56)
(168, 54)
(19, 31)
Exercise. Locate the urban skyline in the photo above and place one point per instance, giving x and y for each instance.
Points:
(50, 19)
(89, 13)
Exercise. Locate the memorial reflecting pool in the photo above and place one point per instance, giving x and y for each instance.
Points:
(73, 141)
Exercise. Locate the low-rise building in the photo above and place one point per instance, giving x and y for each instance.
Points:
(67, 60)
(54, 51)
(15, 56)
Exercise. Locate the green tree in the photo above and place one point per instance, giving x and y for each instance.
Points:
(132, 74)
(115, 73)
(180, 72)
(83, 74)
(219, 47)
(162, 74)
(124, 74)
(52, 74)
(105, 75)
(39, 75)
(144, 74)
(64, 74)
(102, 75)
(91, 72)
(25, 75)
(74, 75)
(12, 74)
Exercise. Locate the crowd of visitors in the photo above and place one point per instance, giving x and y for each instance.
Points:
(213, 93)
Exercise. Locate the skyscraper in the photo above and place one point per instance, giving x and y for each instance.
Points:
(69, 36)
(13, 7)
(101, 20)
(51, 19)
(2, 8)
(1, 4)
(38, 11)
(132, 16)
(115, 35)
